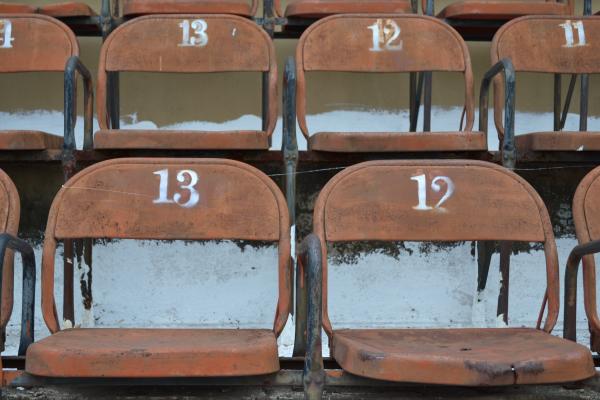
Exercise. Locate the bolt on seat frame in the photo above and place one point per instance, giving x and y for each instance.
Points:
(9, 243)
(388, 201)
(211, 199)
(586, 216)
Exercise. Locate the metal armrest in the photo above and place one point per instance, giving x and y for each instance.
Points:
(508, 141)
(289, 143)
(570, 313)
(429, 8)
(310, 257)
(74, 65)
(8, 241)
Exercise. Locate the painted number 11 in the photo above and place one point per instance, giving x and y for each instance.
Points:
(436, 187)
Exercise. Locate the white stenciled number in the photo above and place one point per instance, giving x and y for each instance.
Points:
(386, 33)
(6, 34)
(187, 179)
(568, 27)
(436, 187)
(199, 37)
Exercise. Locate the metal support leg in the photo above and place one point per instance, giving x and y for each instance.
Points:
(557, 101)
(505, 250)
(314, 373)
(428, 79)
(583, 103)
(485, 250)
(567, 106)
(290, 157)
(412, 93)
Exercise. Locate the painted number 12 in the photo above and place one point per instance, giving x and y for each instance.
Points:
(183, 176)
(386, 35)
(435, 186)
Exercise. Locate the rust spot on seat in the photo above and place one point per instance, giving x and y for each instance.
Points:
(369, 356)
(490, 370)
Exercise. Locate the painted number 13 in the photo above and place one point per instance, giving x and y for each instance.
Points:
(183, 176)
(435, 186)
(199, 38)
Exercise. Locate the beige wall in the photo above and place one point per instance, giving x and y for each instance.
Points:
(222, 97)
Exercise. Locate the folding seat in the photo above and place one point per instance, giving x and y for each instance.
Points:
(163, 199)
(550, 45)
(9, 242)
(37, 43)
(586, 216)
(186, 44)
(386, 44)
(479, 19)
(435, 201)
(243, 8)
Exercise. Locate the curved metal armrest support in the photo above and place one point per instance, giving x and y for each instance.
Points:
(508, 142)
(289, 143)
(8, 241)
(570, 316)
(310, 257)
(74, 65)
(429, 8)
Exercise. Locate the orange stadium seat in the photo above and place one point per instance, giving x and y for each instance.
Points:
(389, 201)
(347, 43)
(549, 45)
(212, 197)
(212, 48)
(33, 43)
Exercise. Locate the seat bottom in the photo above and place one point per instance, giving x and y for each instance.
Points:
(558, 141)
(502, 10)
(29, 140)
(365, 142)
(58, 10)
(323, 8)
(67, 10)
(141, 7)
(467, 357)
(153, 353)
(180, 140)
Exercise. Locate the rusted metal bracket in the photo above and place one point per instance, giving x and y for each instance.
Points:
(571, 271)
(8, 241)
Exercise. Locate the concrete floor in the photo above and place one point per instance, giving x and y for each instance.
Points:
(590, 390)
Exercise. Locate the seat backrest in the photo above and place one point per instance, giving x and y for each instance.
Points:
(546, 44)
(10, 209)
(586, 216)
(188, 43)
(35, 43)
(435, 201)
(384, 44)
(168, 199)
